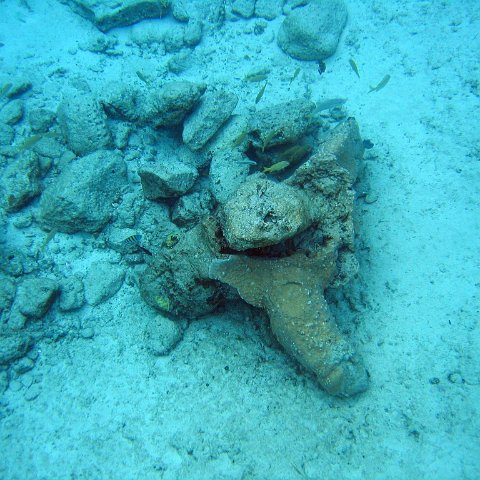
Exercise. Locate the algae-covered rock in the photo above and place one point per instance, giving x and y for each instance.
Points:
(80, 199)
(278, 245)
(84, 123)
(312, 32)
(214, 110)
(263, 212)
(109, 14)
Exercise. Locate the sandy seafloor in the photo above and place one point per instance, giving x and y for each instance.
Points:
(110, 410)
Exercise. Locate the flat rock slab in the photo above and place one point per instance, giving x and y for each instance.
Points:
(109, 14)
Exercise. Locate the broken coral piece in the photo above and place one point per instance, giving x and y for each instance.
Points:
(291, 291)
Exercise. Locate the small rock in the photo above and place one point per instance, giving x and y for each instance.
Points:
(87, 333)
(12, 112)
(7, 134)
(312, 32)
(102, 281)
(228, 170)
(213, 111)
(167, 180)
(263, 212)
(244, 8)
(109, 14)
(41, 119)
(13, 346)
(23, 365)
(170, 103)
(35, 296)
(268, 9)
(161, 335)
(72, 295)
(3, 381)
(21, 182)
(33, 392)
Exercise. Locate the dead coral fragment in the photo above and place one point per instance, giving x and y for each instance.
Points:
(291, 291)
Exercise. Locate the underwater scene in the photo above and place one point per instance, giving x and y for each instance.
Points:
(239, 239)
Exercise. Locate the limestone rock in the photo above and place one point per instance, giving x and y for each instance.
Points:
(244, 8)
(80, 199)
(13, 346)
(312, 32)
(191, 207)
(169, 104)
(35, 296)
(228, 170)
(214, 110)
(7, 134)
(72, 295)
(20, 182)
(263, 212)
(84, 124)
(268, 9)
(167, 180)
(161, 335)
(102, 281)
(109, 14)
(12, 112)
(283, 123)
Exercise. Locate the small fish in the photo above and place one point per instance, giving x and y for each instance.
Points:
(276, 167)
(321, 67)
(136, 240)
(142, 77)
(384, 81)
(4, 90)
(29, 142)
(354, 67)
(295, 74)
(329, 103)
(260, 77)
(239, 139)
(267, 139)
(260, 93)
(257, 75)
(295, 153)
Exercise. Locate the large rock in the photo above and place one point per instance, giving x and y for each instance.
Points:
(312, 32)
(214, 110)
(84, 123)
(263, 212)
(80, 199)
(109, 14)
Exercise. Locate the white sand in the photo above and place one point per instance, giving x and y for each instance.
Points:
(109, 410)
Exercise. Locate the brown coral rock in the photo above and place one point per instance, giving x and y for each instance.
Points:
(291, 291)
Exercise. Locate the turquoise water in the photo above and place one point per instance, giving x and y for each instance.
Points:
(239, 239)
